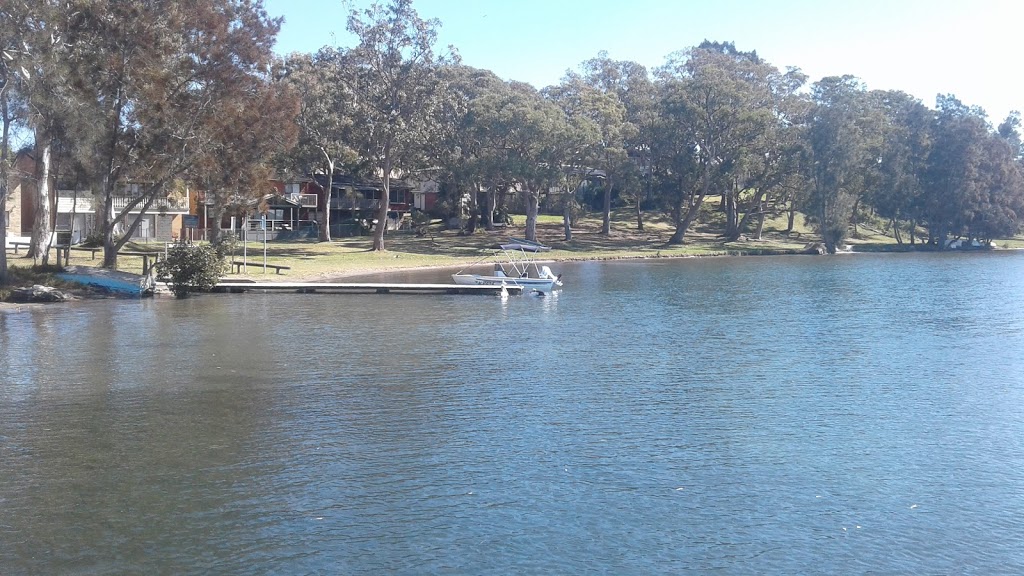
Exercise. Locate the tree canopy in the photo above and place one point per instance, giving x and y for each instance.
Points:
(161, 93)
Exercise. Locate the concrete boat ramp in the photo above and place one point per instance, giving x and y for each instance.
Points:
(362, 288)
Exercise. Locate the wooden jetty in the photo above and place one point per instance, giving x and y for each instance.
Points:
(361, 288)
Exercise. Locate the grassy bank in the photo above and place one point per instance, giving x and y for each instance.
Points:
(439, 247)
(312, 260)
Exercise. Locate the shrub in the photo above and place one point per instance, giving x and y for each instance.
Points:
(190, 268)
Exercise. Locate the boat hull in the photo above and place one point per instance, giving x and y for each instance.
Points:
(544, 285)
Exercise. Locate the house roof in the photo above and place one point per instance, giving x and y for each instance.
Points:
(349, 181)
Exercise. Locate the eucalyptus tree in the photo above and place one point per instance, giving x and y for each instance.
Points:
(999, 212)
(526, 144)
(675, 157)
(951, 176)
(591, 139)
(238, 165)
(906, 143)
(627, 162)
(844, 141)
(327, 105)
(712, 93)
(762, 159)
(973, 177)
(155, 85)
(35, 80)
(466, 160)
(12, 27)
(768, 172)
(398, 93)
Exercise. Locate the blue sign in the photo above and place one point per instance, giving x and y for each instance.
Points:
(190, 221)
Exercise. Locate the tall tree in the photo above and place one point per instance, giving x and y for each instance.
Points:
(324, 83)
(906, 137)
(713, 91)
(974, 186)
(154, 84)
(611, 80)
(628, 153)
(12, 25)
(844, 143)
(236, 167)
(467, 160)
(397, 90)
(527, 144)
(592, 137)
(38, 41)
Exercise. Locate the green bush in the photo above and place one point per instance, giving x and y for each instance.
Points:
(190, 268)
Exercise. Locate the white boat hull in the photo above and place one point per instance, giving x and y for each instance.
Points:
(545, 285)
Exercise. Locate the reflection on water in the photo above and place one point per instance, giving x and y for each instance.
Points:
(782, 415)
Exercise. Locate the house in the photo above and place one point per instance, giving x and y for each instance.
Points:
(289, 205)
(354, 203)
(294, 207)
(75, 211)
(20, 184)
(426, 195)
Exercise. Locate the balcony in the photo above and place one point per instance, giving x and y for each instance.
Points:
(305, 200)
(161, 204)
(354, 204)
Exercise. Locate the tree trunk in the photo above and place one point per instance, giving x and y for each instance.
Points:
(743, 222)
(677, 218)
(107, 226)
(218, 215)
(606, 222)
(490, 201)
(42, 233)
(4, 175)
(382, 210)
(896, 231)
(567, 216)
(792, 217)
(325, 215)
(691, 214)
(692, 209)
(639, 215)
(474, 210)
(732, 219)
(532, 208)
(853, 216)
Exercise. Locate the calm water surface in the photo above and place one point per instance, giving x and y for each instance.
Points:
(768, 415)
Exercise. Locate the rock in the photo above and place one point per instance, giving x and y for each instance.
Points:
(815, 248)
(38, 293)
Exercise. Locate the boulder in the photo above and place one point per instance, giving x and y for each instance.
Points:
(38, 293)
(815, 248)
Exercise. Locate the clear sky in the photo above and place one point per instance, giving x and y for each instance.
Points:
(969, 48)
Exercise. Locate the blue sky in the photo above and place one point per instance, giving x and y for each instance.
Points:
(969, 48)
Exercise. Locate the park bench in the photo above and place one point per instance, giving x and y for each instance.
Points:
(17, 245)
(239, 265)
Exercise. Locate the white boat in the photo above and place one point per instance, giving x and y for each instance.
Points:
(517, 269)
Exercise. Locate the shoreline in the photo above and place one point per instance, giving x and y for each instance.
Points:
(86, 293)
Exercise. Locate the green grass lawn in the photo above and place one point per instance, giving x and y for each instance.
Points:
(341, 257)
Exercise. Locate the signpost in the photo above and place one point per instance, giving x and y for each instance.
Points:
(190, 222)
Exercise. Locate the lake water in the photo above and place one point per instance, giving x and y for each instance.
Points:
(785, 415)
